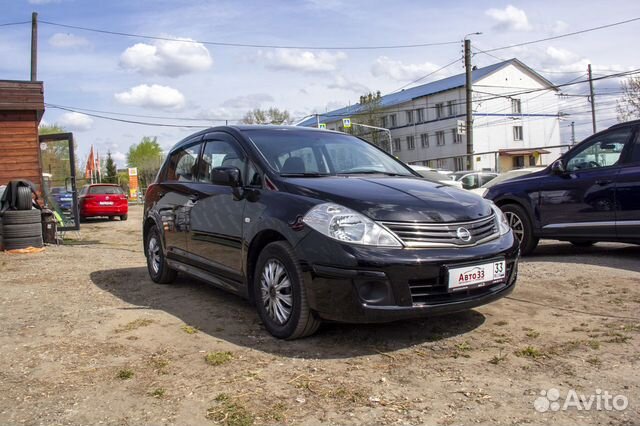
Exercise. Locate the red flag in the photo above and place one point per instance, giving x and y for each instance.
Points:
(91, 164)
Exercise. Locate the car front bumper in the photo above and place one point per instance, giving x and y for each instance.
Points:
(360, 284)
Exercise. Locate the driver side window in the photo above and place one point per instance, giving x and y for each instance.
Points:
(603, 151)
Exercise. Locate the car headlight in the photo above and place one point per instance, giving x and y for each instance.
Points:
(343, 224)
(503, 224)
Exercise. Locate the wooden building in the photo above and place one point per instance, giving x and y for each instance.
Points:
(21, 109)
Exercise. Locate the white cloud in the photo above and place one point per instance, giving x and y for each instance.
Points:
(154, 96)
(119, 157)
(559, 27)
(300, 60)
(509, 19)
(168, 58)
(75, 121)
(384, 66)
(343, 83)
(558, 56)
(248, 101)
(65, 41)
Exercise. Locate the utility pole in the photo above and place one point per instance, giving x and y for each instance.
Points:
(592, 99)
(469, 125)
(317, 121)
(573, 133)
(34, 46)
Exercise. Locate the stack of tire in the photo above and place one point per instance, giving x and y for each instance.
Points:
(21, 228)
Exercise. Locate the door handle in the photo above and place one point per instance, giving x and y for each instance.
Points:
(603, 182)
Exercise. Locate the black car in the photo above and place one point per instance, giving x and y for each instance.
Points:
(590, 194)
(316, 225)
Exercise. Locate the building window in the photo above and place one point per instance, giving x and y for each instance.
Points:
(517, 133)
(409, 117)
(440, 138)
(439, 110)
(396, 145)
(383, 121)
(532, 160)
(392, 118)
(516, 106)
(419, 115)
(424, 140)
(457, 137)
(441, 164)
(451, 106)
(459, 163)
(518, 161)
(411, 144)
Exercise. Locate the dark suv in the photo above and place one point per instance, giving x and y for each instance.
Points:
(591, 194)
(316, 225)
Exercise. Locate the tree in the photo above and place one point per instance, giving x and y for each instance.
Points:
(370, 114)
(111, 172)
(147, 157)
(629, 106)
(49, 129)
(269, 116)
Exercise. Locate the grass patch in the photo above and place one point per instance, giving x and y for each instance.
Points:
(463, 347)
(533, 334)
(188, 329)
(593, 344)
(594, 360)
(529, 352)
(140, 322)
(277, 413)
(349, 395)
(218, 358)
(497, 359)
(124, 374)
(157, 393)
(230, 414)
(618, 338)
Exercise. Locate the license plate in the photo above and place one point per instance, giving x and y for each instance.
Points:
(480, 275)
(106, 203)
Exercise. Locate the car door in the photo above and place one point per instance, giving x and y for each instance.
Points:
(176, 195)
(581, 201)
(628, 192)
(215, 236)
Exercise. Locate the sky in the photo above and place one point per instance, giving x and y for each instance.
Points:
(172, 80)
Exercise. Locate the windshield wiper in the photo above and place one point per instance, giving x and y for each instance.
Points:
(306, 174)
(372, 172)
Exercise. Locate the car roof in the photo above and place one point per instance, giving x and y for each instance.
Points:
(626, 123)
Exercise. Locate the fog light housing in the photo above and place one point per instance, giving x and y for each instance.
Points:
(374, 292)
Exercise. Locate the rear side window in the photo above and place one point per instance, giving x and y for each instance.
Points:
(635, 150)
(183, 163)
(106, 190)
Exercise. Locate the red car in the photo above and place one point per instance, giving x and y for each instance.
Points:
(103, 199)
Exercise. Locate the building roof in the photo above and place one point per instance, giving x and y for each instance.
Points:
(434, 87)
(22, 96)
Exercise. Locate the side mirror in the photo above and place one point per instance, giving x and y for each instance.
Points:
(558, 167)
(227, 176)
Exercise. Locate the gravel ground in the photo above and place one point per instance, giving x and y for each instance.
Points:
(87, 338)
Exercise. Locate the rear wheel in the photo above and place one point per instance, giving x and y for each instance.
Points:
(520, 223)
(582, 243)
(112, 218)
(159, 271)
(280, 294)
(124, 217)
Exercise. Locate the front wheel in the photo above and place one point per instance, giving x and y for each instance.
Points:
(159, 271)
(124, 217)
(280, 294)
(520, 223)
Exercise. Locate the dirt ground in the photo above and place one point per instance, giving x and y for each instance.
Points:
(87, 338)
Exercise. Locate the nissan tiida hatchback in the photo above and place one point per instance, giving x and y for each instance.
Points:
(315, 225)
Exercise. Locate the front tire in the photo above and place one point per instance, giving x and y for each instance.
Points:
(159, 271)
(520, 223)
(124, 217)
(280, 293)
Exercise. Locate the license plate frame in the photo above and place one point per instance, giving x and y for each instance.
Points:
(106, 203)
(476, 274)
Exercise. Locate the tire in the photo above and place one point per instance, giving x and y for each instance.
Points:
(112, 218)
(22, 231)
(24, 200)
(300, 321)
(22, 243)
(158, 269)
(520, 222)
(582, 243)
(21, 217)
(124, 217)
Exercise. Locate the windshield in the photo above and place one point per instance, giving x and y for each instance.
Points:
(506, 176)
(309, 153)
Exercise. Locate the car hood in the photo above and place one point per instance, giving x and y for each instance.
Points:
(390, 198)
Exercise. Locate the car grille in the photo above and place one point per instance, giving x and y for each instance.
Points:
(434, 291)
(460, 234)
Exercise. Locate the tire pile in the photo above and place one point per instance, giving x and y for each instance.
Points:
(21, 228)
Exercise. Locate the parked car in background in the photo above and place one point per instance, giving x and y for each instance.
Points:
(103, 200)
(435, 176)
(473, 179)
(62, 197)
(590, 194)
(503, 177)
(318, 225)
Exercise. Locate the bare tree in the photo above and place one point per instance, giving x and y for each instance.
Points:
(370, 114)
(269, 116)
(628, 107)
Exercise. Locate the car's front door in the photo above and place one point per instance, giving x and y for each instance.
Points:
(628, 193)
(215, 237)
(581, 202)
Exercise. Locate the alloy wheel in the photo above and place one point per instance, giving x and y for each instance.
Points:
(276, 292)
(516, 224)
(154, 253)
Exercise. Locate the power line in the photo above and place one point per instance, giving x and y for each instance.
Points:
(426, 75)
(254, 45)
(526, 43)
(8, 24)
(142, 116)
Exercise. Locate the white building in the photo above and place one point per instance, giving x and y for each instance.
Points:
(515, 120)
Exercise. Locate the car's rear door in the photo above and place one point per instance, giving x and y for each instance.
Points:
(581, 202)
(628, 192)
